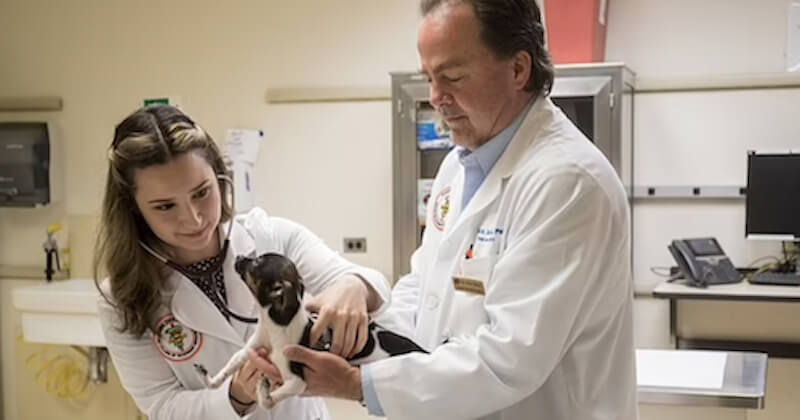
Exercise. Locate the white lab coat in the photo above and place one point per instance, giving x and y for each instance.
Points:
(159, 373)
(552, 338)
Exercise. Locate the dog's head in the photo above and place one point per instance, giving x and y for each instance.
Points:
(274, 281)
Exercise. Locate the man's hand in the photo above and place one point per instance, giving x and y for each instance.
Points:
(327, 375)
(342, 307)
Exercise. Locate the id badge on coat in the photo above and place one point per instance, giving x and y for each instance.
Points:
(472, 275)
(470, 284)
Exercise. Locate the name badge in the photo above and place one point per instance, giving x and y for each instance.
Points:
(468, 285)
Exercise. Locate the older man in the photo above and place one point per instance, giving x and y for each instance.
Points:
(521, 289)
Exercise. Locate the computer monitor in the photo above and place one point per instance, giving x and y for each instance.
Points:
(773, 196)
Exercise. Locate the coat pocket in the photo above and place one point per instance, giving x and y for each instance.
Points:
(470, 284)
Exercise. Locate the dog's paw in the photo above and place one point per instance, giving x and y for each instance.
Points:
(263, 394)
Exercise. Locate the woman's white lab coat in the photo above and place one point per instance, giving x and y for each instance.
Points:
(537, 324)
(157, 369)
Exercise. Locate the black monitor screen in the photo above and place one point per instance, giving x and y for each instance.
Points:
(773, 196)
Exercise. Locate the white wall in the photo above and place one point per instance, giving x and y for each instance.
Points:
(686, 38)
(700, 138)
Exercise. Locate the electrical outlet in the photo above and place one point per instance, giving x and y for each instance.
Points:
(355, 245)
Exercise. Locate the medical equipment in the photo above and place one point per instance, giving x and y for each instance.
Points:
(216, 295)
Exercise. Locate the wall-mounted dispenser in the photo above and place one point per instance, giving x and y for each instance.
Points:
(30, 170)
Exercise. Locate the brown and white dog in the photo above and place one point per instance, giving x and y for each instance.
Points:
(283, 320)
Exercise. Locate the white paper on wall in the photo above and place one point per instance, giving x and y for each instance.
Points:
(242, 147)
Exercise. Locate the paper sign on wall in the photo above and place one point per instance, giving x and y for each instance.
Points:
(242, 147)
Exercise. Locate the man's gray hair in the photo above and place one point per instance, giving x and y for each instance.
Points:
(507, 27)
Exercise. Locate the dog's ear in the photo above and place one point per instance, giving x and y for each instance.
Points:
(242, 265)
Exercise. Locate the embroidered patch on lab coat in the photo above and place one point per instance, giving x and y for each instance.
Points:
(175, 341)
(441, 207)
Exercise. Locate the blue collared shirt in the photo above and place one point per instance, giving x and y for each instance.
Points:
(477, 165)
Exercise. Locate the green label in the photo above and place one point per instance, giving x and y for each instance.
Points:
(156, 101)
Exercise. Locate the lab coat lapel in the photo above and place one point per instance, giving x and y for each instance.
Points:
(493, 185)
(195, 310)
(456, 189)
(240, 298)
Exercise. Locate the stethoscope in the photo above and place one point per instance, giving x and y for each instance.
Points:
(217, 265)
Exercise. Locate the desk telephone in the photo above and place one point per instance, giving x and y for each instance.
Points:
(702, 262)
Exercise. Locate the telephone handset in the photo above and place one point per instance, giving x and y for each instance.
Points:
(702, 262)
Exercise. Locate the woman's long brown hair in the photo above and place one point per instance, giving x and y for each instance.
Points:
(150, 136)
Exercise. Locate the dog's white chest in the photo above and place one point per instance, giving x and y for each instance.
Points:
(281, 336)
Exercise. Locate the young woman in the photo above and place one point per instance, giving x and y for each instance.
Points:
(172, 299)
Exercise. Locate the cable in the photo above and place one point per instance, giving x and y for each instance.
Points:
(660, 271)
(767, 257)
(666, 272)
(786, 264)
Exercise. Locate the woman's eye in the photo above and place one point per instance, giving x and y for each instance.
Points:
(164, 207)
(202, 193)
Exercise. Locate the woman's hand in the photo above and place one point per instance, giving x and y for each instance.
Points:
(342, 307)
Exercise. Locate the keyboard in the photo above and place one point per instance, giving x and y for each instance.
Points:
(780, 279)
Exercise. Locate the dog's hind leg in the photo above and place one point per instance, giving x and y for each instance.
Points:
(294, 386)
(262, 393)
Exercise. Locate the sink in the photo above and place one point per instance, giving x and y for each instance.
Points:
(61, 312)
